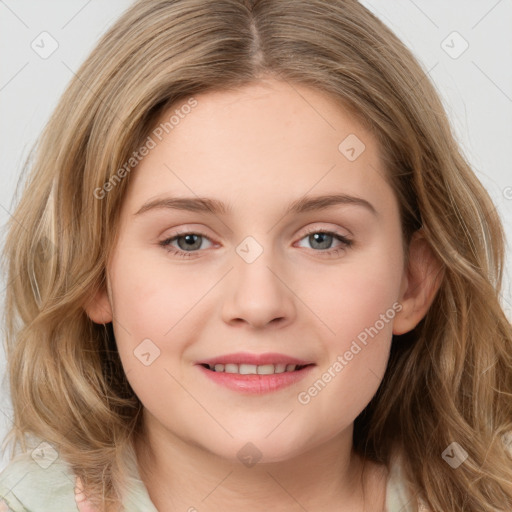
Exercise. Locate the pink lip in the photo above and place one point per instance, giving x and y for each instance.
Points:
(255, 384)
(257, 359)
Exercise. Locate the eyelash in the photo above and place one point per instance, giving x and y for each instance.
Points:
(346, 243)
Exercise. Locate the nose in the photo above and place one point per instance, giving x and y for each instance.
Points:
(258, 294)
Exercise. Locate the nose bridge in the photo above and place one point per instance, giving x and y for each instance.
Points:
(259, 259)
(256, 293)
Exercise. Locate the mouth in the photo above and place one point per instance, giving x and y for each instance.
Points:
(253, 369)
(255, 373)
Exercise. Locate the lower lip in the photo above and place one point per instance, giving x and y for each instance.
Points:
(256, 384)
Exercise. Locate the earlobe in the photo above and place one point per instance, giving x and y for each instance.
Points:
(98, 308)
(421, 281)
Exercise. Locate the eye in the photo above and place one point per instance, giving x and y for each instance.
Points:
(188, 241)
(191, 242)
(323, 239)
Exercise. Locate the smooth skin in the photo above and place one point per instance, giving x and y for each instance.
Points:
(258, 149)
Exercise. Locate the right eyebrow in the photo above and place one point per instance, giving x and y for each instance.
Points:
(192, 204)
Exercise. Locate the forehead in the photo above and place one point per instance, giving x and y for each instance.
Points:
(262, 141)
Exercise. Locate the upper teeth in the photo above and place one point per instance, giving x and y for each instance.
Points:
(246, 369)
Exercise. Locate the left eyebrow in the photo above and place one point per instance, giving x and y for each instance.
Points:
(214, 206)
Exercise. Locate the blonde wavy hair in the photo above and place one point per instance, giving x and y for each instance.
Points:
(450, 379)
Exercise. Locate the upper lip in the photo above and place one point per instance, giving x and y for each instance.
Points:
(256, 359)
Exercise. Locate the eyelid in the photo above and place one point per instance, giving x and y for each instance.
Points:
(186, 229)
(334, 230)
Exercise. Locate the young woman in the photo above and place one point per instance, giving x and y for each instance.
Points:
(251, 269)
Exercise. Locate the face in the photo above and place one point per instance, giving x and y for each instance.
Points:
(268, 280)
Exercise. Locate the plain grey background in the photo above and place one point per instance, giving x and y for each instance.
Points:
(465, 46)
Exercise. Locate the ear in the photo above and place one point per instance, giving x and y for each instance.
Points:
(99, 307)
(420, 283)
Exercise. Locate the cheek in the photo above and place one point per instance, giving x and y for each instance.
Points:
(352, 296)
(353, 363)
(153, 302)
(356, 354)
(357, 307)
(151, 298)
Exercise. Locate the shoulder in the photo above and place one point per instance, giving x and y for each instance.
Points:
(38, 480)
(398, 495)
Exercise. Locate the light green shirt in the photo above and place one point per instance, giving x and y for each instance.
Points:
(27, 485)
